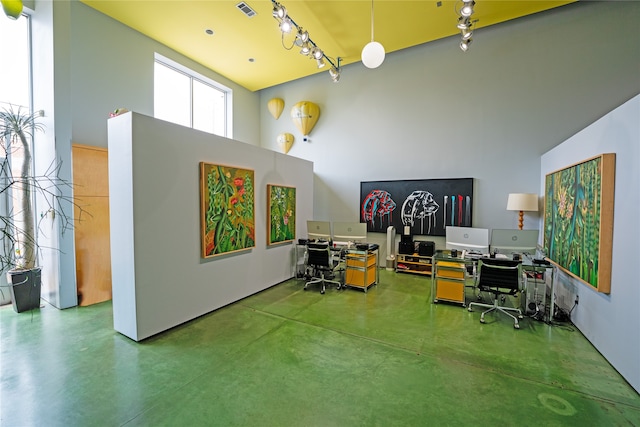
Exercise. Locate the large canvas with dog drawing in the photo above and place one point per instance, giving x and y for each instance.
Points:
(427, 206)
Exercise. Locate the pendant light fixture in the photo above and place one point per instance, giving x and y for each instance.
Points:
(373, 52)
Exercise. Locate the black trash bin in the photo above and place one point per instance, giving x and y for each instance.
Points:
(25, 288)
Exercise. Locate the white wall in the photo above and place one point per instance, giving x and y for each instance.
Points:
(610, 321)
(435, 112)
(52, 94)
(159, 278)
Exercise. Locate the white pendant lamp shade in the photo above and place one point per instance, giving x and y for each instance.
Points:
(373, 55)
(373, 52)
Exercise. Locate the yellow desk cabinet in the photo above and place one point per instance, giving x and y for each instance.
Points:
(361, 269)
(449, 281)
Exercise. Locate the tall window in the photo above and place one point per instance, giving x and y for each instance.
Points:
(15, 95)
(15, 70)
(187, 98)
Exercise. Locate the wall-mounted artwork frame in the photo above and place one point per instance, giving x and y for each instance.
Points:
(281, 214)
(578, 220)
(227, 213)
(427, 206)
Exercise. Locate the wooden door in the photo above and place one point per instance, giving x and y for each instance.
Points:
(93, 249)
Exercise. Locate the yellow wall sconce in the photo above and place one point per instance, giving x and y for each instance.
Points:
(275, 106)
(305, 114)
(285, 141)
(12, 8)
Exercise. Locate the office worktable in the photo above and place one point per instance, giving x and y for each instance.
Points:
(451, 276)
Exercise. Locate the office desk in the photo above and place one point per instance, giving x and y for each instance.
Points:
(450, 278)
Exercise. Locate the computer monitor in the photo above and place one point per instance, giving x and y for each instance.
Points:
(320, 230)
(514, 241)
(468, 238)
(350, 231)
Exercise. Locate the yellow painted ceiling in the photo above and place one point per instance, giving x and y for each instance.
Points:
(250, 52)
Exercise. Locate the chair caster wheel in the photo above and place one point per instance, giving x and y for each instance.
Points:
(322, 292)
(304, 289)
(481, 320)
(516, 326)
(520, 316)
(469, 309)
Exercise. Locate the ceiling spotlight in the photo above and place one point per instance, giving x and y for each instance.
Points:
(302, 36)
(286, 25)
(305, 49)
(316, 52)
(335, 74)
(464, 44)
(466, 34)
(464, 22)
(467, 8)
(320, 63)
(279, 11)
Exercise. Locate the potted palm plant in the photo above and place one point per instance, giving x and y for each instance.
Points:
(18, 188)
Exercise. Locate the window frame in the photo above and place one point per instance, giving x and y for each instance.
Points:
(195, 76)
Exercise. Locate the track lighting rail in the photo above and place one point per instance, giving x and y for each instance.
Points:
(307, 46)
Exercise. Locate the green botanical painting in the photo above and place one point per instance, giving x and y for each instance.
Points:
(281, 214)
(227, 209)
(578, 220)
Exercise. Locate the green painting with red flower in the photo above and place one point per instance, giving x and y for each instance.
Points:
(227, 209)
(578, 220)
(281, 211)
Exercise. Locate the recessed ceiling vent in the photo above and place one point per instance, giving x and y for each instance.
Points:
(244, 8)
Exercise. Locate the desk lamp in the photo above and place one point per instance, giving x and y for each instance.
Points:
(522, 202)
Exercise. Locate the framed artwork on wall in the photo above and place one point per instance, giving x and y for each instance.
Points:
(425, 205)
(578, 220)
(281, 214)
(227, 214)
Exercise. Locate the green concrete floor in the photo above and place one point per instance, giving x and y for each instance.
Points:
(285, 357)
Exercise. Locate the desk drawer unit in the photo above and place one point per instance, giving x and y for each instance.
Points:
(452, 270)
(360, 270)
(449, 290)
(450, 281)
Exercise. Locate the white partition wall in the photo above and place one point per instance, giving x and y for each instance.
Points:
(610, 321)
(159, 277)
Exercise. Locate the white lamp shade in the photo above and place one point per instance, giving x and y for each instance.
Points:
(373, 55)
(522, 202)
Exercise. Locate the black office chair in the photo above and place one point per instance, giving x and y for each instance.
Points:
(320, 263)
(500, 277)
